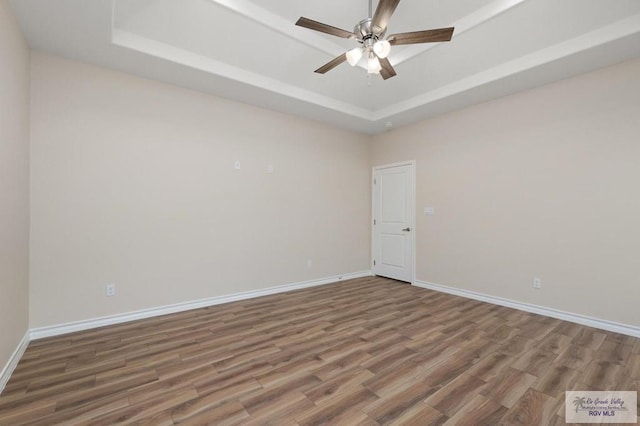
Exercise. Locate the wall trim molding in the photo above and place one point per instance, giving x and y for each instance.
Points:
(12, 363)
(56, 330)
(616, 327)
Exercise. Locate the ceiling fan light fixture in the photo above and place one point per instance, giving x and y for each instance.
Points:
(354, 56)
(370, 33)
(382, 48)
(373, 65)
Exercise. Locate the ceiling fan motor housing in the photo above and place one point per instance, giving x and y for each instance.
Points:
(367, 33)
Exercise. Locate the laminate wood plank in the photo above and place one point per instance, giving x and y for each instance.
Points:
(480, 411)
(476, 349)
(556, 380)
(20, 380)
(576, 357)
(420, 414)
(186, 372)
(604, 374)
(86, 412)
(274, 376)
(389, 359)
(399, 403)
(502, 333)
(24, 413)
(342, 349)
(263, 401)
(17, 400)
(507, 388)
(148, 410)
(535, 361)
(341, 365)
(280, 411)
(554, 342)
(620, 338)
(210, 383)
(72, 355)
(539, 328)
(367, 351)
(391, 381)
(196, 406)
(74, 374)
(333, 389)
(453, 396)
(568, 329)
(491, 366)
(433, 353)
(245, 358)
(76, 397)
(343, 410)
(589, 338)
(533, 408)
(517, 345)
(155, 389)
(617, 353)
(229, 413)
(290, 355)
(634, 366)
(194, 357)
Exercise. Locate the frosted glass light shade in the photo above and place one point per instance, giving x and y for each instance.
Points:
(354, 55)
(373, 66)
(382, 48)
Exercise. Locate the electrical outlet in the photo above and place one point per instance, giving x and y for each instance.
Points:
(537, 283)
(236, 164)
(111, 290)
(309, 263)
(270, 168)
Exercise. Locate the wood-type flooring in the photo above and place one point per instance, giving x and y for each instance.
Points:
(361, 352)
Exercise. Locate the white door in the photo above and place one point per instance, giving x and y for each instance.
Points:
(393, 215)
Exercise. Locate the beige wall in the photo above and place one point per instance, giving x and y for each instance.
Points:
(544, 184)
(133, 184)
(14, 184)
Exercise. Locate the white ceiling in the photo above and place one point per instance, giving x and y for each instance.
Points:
(251, 50)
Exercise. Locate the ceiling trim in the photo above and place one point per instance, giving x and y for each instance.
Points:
(171, 53)
(250, 10)
(612, 32)
(462, 25)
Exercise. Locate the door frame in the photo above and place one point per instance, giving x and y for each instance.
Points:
(412, 214)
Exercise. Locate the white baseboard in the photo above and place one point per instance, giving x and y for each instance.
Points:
(11, 365)
(630, 330)
(56, 330)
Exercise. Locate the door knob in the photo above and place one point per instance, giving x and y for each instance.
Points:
(406, 230)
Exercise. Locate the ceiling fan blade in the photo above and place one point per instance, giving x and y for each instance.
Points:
(332, 64)
(427, 36)
(383, 12)
(387, 70)
(324, 28)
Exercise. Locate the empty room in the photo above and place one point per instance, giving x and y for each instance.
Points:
(363, 212)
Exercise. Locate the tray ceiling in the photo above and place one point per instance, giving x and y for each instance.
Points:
(252, 52)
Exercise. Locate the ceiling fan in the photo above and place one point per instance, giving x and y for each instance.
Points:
(370, 34)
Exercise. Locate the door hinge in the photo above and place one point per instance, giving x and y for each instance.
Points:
(374, 221)
(374, 262)
(375, 182)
